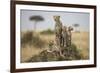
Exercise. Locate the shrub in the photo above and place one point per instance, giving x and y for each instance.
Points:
(48, 31)
(27, 38)
(75, 52)
(30, 38)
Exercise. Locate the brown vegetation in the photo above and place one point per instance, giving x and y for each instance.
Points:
(81, 40)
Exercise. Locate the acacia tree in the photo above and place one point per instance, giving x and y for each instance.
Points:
(36, 19)
(76, 27)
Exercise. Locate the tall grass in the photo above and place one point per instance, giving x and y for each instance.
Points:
(48, 31)
(79, 48)
(32, 39)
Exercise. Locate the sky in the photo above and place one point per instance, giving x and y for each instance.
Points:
(67, 19)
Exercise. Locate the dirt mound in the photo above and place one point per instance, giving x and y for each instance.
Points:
(67, 54)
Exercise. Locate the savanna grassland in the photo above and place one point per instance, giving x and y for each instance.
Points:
(33, 43)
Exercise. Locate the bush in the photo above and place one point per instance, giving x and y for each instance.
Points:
(27, 38)
(48, 31)
(75, 52)
(30, 38)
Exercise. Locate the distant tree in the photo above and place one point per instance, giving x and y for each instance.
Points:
(76, 27)
(36, 19)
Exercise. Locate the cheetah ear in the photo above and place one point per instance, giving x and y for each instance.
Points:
(58, 17)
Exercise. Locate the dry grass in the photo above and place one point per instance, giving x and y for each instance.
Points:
(28, 52)
(81, 40)
(47, 38)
